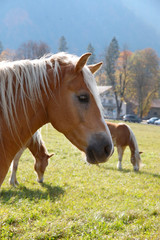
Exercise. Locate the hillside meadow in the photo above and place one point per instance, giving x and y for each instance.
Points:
(81, 201)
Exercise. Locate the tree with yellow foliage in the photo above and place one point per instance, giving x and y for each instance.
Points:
(143, 79)
(7, 54)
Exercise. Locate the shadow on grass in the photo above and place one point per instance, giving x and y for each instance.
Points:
(140, 172)
(15, 194)
(115, 169)
(149, 174)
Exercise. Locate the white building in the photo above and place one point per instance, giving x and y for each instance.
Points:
(109, 102)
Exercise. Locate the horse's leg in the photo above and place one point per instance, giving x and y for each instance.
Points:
(120, 151)
(13, 180)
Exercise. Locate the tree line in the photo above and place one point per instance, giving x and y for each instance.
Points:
(32, 50)
(134, 76)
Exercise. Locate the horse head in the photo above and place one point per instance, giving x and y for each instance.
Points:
(41, 162)
(136, 160)
(75, 109)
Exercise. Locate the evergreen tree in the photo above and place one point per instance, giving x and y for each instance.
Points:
(111, 59)
(111, 63)
(1, 47)
(62, 45)
(91, 49)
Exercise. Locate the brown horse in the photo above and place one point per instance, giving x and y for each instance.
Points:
(123, 136)
(59, 89)
(39, 151)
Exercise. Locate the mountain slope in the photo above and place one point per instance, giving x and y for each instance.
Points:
(80, 21)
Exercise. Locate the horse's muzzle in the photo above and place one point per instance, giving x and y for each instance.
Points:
(100, 148)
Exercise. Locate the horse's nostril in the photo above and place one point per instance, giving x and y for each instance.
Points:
(107, 150)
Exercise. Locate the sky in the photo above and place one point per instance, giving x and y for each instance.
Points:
(146, 10)
(133, 22)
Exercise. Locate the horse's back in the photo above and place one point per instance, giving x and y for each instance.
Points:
(123, 134)
(120, 133)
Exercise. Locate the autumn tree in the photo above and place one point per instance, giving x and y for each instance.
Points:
(143, 84)
(62, 45)
(101, 77)
(7, 54)
(122, 75)
(32, 50)
(91, 49)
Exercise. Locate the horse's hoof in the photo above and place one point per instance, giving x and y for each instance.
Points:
(40, 180)
(119, 167)
(17, 183)
(136, 169)
(14, 183)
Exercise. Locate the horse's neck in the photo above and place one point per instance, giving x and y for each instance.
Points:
(12, 140)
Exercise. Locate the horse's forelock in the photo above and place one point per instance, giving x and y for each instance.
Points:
(91, 84)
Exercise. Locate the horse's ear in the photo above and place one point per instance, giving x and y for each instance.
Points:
(94, 67)
(140, 152)
(82, 61)
(49, 156)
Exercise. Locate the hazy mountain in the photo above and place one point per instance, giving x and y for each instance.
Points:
(134, 23)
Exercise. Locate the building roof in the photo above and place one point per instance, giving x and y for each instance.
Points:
(155, 103)
(103, 89)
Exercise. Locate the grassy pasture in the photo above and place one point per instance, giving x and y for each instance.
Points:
(81, 201)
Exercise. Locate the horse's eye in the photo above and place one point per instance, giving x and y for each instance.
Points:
(83, 98)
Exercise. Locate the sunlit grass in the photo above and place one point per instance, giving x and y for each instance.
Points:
(81, 201)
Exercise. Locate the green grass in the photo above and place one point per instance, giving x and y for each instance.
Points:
(81, 201)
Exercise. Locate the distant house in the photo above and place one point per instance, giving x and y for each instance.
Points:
(153, 112)
(155, 109)
(109, 103)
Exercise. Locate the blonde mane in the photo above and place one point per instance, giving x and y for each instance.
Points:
(32, 74)
(132, 136)
(37, 137)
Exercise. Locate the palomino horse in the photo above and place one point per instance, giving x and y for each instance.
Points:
(39, 151)
(59, 89)
(123, 136)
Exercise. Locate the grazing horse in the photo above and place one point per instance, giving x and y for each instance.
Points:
(123, 136)
(59, 89)
(39, 151)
